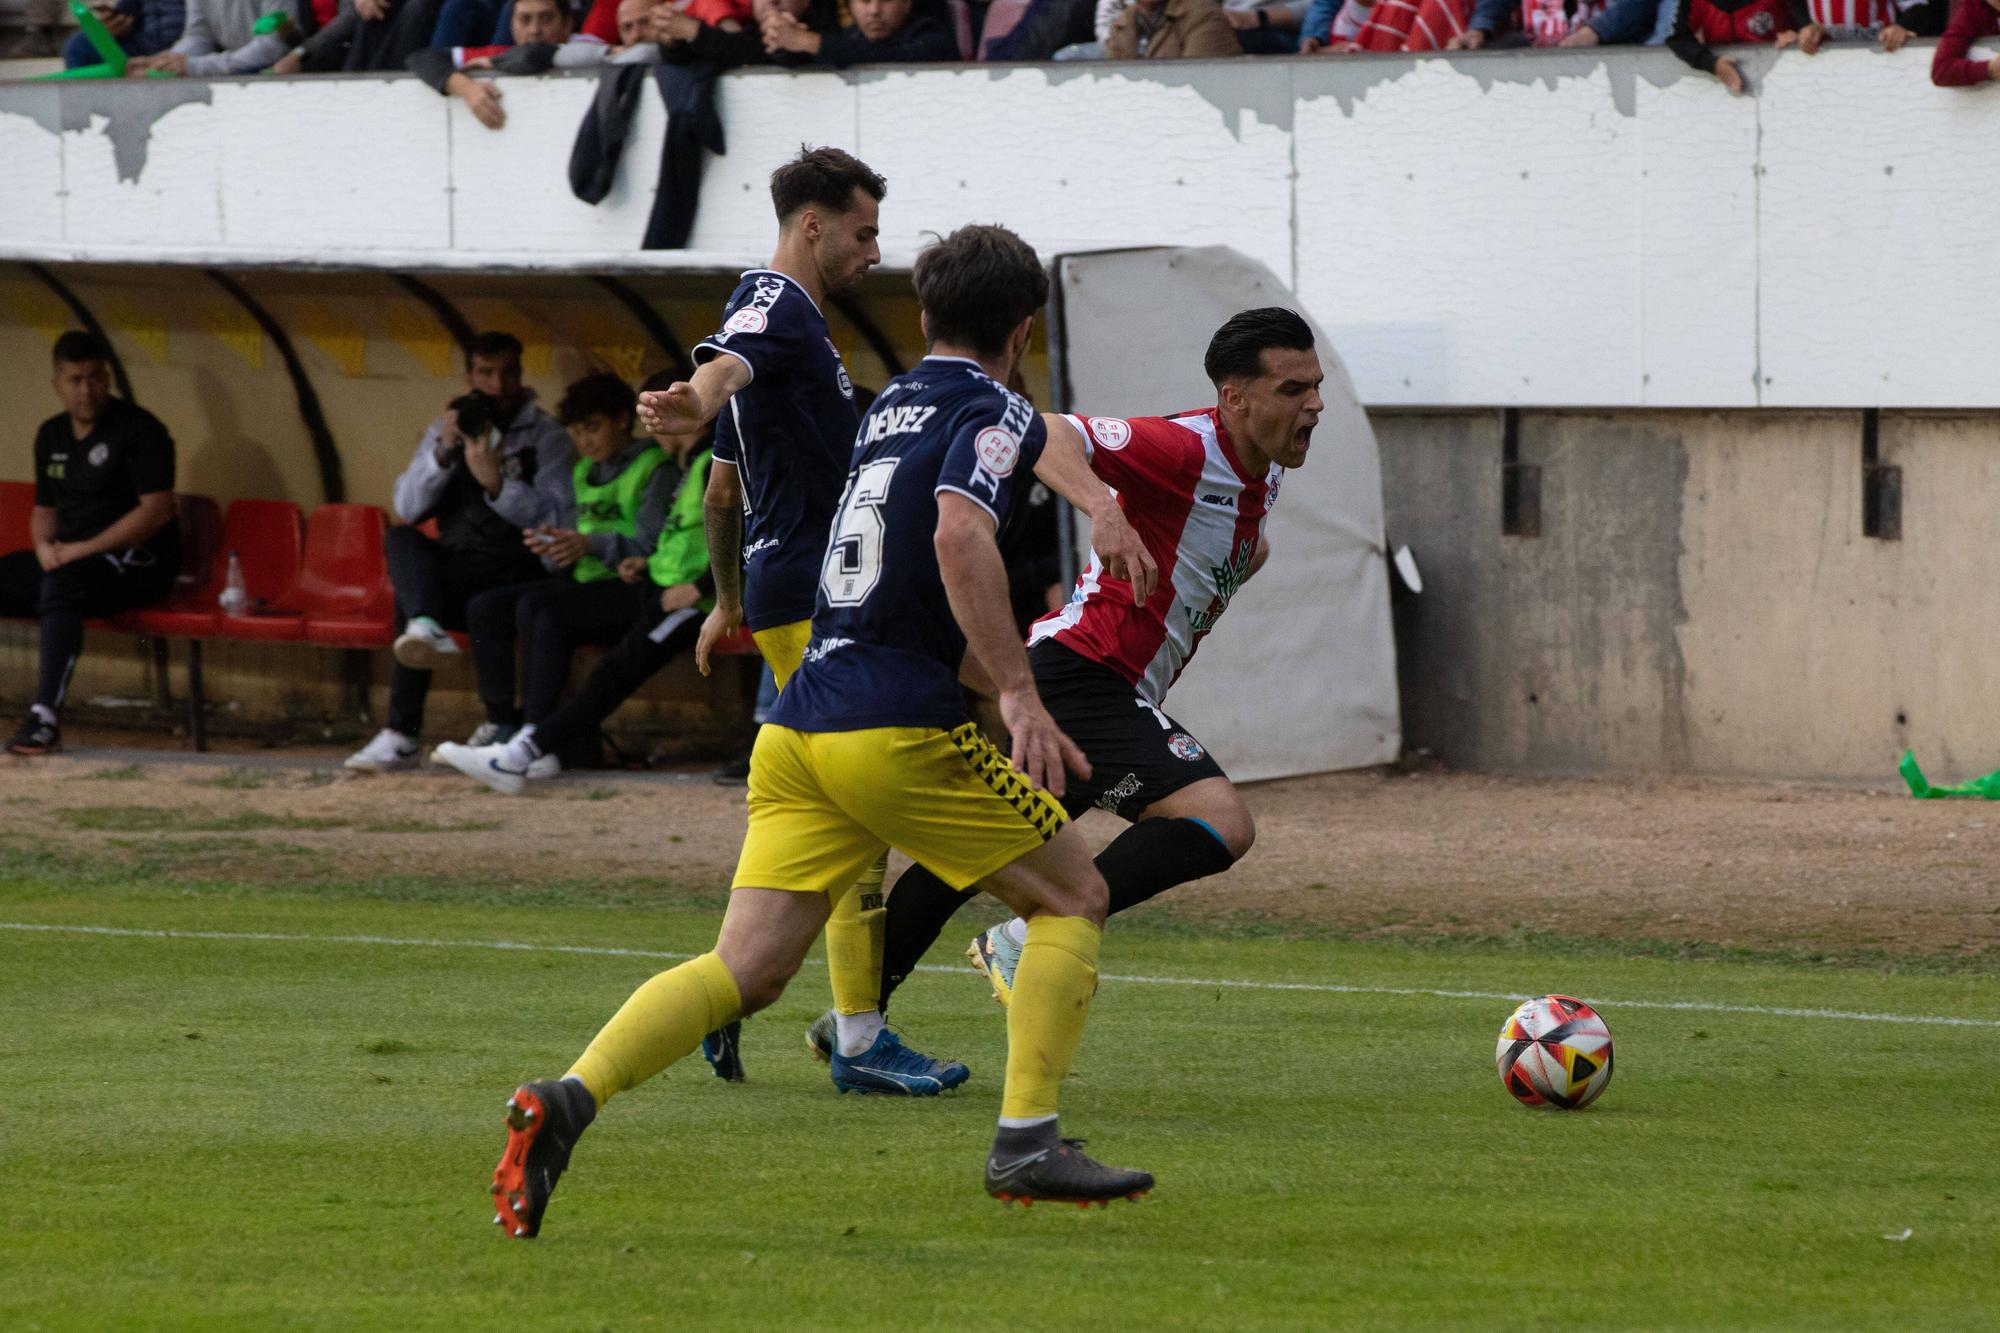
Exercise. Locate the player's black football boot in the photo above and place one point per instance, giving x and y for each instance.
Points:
(1062, 1174)
(544, 1120)
(723, 1049)
(35, 736)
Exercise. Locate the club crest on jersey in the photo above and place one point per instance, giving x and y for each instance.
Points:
(1761, 24)
(98, 454)
(846, 384)
(1111, 433)
(998, 450)
(1183, 746)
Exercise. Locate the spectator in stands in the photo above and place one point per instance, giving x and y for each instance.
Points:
(224, 37)
(620, 490)
(1268, 28)
(1525, 22)
(141, 28)
(103, 527)
(675, 591)
(488, 470)
(884, 31)
(1170, 30)
(544, 38)
(1627, 23)
(1890, 23)
(1951, 64)
(1698, 23)
(727, 43)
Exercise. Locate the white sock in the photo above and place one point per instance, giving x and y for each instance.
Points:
(1017, 931)
(522, 750)
(1024, 1121)
(857, 1031)
(424, 625)
(45, 713)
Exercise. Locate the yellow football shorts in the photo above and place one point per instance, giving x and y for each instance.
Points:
(783, 647)
(825, 804)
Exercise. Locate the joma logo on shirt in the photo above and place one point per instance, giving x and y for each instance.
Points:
(896, 421)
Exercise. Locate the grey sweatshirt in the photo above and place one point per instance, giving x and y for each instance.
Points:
(219, 37)
(524, 504)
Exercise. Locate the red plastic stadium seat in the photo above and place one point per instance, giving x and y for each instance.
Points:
(269, 540)
(189, 611)
(17, 502)
(1001, 16)
(343, 587)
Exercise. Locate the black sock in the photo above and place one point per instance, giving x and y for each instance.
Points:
(62, 640)
(1013, 1142)
(1155, 854)
(919, 906)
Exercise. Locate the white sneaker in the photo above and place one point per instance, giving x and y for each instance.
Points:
(483, 763)
(423, 644)
(388, 752)
(545, 767)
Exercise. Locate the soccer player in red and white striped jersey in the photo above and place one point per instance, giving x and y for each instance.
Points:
(1197, 488)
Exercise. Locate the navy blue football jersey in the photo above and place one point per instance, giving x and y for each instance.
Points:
(789, 432)
(885, 650)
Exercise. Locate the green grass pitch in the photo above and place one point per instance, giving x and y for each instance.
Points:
(263, 1133)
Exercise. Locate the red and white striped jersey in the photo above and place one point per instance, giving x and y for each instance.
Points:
(1852, 18)
(1184, 492)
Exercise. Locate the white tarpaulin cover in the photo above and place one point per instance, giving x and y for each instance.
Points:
(1300, 675)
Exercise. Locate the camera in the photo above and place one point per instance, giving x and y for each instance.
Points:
(475, 415)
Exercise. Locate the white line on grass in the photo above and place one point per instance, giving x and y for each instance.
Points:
(1210, 983)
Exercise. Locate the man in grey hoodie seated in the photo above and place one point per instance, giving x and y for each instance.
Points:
(224, 37)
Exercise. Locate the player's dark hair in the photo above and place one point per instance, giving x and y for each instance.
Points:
(77, 346)
(825, 177)
(1236, 352)
(977, 285)
(602, 395)
(493, 345)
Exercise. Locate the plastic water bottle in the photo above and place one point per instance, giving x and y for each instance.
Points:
(235, 599)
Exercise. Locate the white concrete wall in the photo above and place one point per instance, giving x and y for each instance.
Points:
(1598, 229)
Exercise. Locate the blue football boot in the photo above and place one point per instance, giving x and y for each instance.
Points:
(890, 1067)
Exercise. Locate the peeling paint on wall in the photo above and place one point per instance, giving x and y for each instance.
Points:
(128, 110)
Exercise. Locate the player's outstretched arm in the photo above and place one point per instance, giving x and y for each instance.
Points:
(685, 406)
(975, 581)
(1064, 468)
(722, 523)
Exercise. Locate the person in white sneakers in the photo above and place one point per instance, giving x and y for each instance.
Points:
(492, 467)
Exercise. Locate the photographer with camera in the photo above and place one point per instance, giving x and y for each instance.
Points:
(491, 468)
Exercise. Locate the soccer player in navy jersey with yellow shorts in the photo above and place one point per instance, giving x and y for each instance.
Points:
(870, 747)
(773, 383)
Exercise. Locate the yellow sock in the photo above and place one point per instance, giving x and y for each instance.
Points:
(664, 1020)
(1053, 984)
(854, 943)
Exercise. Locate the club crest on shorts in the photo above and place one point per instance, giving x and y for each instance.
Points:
(998, 450)
(1183, 746)
(1111, 433)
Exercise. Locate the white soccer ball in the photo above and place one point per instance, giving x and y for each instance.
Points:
(1555, 1053)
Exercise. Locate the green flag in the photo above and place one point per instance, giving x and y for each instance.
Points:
(1986, 788)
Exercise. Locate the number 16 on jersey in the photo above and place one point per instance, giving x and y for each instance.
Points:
(854, 555)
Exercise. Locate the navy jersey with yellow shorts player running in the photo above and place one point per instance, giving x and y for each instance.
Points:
(789, 433)
(870, 744)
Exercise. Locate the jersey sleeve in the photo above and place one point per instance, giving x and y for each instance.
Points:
(149, 455)
(761, 328)
(1136, 453)
(992, 454)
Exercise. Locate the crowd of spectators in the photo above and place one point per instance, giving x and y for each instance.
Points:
(446, 42)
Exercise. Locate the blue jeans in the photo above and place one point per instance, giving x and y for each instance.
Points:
(78, 52)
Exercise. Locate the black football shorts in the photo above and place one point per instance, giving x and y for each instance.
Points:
(1137, 754)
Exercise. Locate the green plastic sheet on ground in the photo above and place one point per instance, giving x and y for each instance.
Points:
(1979, 789)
